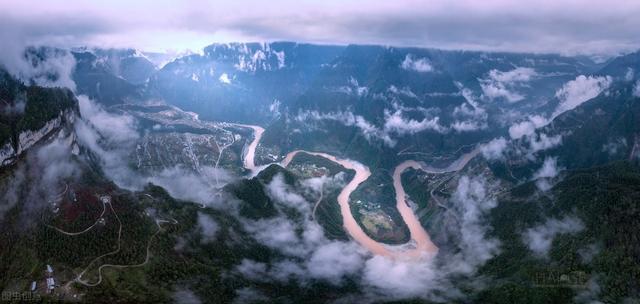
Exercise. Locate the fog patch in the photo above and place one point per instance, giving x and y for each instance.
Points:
(472, 202)
(615, 146)
(43, 66)
(39, 181)
(111, 137)
(187, 185)
(368, 130)
(541, 141)
(308, 254)
(589, 252)
(430, 278)
(185, 296)
(208, 227)
(540, 238)
(249, 295)
(494, 150)
(545, 175)
(17, 108)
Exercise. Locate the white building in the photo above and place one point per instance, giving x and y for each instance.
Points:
(51, 283)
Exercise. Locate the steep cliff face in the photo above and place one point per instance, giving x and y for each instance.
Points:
(31, 114)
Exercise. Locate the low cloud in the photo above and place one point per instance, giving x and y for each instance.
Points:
(300, 239)
(308, 255)
(494, 150)
(368, 130)
(636, 89)
(470, 116)
(576, 92)
(185, 296)
(16, 108)
(396, 123)
(208, 227)
(545, 175)
(43, 66)
(499, 84)
(420, 65)
(111, 137)
(38, 182)
(514, 76)
(615, 146)
(473, 203)
(397, 279)
(540, 238)
(541, 141)
(589, 295)
(249, 295)
(527, 127)
(188, 185)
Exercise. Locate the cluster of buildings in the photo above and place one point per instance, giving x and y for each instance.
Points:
(49, 280)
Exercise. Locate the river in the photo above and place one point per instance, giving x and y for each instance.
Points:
(420, 244)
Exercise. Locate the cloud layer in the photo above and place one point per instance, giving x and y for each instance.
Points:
(538, 25)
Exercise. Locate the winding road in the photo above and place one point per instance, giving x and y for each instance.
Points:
(420, 244)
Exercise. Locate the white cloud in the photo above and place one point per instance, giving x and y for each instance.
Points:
(518, 74)
(494, 90)
(468, 126)
(400, 279)
(473, 202)
(40, 178)
(396, 123)
(115, 127)
(549, 169)
(112, 137)
(629, 75)
(527, 127)
(185, 296)
(636, 90)
(613, 146)
(368, 130)
(421, 65)
(541, 141)
(49, 68)
(249, 295)
(308, 253)
(464, 24)
(521, 129)
(546, 173)
(335, 260)
(494, 149)
(224, 78)
(576, 92)
(590, 294)
(476, 116)
(208, 227)
(540, 238)
(500, 84)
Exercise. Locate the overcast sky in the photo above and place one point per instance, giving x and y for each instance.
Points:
(570, 27)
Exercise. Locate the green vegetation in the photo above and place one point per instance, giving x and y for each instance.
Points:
(606, 200)
(41, 105)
